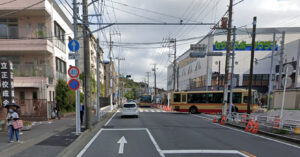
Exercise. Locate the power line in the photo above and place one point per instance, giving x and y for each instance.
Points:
(145, 17)
(66, 7)
(152, 11)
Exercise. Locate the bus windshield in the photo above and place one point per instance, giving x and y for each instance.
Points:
(146, 98)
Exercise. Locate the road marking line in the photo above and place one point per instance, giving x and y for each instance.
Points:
(110, 118)
(89, 144)
(250, 133)
(199, 151)
(120, 129)
(155, 144)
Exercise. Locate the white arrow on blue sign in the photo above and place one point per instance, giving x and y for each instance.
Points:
(73, 45)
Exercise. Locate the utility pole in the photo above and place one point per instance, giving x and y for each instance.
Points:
(76, 64)
(232, 69)
(98, 80)
(251, 66)
(227, 57)
(271, 71)
(119, 60)
(281, 61)
(154, 70)
(111, 72)
(174, 63)
(87, 72)
(111, 69)
(148, 75)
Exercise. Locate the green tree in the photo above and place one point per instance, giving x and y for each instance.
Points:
(65, 97)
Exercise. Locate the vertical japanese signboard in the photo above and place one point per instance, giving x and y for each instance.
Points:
(7, 83)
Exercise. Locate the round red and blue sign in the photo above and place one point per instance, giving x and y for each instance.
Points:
(73, 72)
(74, 84)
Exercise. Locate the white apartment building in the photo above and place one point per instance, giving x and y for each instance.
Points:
(35, 40)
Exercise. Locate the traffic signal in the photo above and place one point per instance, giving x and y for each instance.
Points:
(128, 76)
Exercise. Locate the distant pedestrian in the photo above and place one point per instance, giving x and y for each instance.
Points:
(58, 109)
(12, 116)
(81, 113)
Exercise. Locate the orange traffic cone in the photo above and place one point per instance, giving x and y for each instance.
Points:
(223, 120)
(215, 119)
(255, 128)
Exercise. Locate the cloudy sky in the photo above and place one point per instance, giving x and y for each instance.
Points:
(143, 46)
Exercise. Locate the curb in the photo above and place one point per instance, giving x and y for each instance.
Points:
(74, 148)
(294, 140)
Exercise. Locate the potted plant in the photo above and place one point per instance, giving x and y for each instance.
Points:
(26, 126)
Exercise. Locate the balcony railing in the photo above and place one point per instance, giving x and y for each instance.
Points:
(30, 70)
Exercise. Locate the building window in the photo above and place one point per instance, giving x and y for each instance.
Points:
(59, 32)
(50, 98)
(34, 95)
(9, 29)
(22, 95)
(61, 66)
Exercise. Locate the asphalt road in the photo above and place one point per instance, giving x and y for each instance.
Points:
(157, 133)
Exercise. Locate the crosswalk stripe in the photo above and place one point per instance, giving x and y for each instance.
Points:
(152, 110)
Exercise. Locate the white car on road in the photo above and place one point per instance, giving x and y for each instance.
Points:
(130, 109)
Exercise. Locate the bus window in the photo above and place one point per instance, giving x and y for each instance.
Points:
(176, 98)
(217, 98)
(197, 98)
(237, 98)
(246, 100)
(183, 97)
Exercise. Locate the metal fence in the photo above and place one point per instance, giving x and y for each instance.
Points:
(272, 122)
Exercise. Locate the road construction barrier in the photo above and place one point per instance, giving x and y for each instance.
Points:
(255, 128)
(276, 123)
(243, 120)
(249, 126)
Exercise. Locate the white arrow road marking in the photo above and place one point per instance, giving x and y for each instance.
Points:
(122, 141)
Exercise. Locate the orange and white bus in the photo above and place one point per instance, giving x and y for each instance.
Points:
(210, 101)
(145, 101)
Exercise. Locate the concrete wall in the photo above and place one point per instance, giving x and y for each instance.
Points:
(292, 99)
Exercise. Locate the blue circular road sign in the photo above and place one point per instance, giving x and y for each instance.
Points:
(74, 84)
(73, 45)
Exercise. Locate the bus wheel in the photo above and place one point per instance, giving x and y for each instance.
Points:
(193, 110)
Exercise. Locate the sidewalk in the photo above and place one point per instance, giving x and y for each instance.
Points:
(47, 138)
